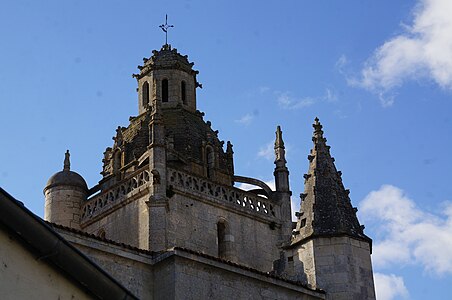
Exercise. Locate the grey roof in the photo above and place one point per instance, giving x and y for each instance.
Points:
(66, 178)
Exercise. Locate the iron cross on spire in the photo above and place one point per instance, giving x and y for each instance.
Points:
(165, 29)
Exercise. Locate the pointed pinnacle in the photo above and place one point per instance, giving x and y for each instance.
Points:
(67, 162)
(279, 143)
(280, 152)
(229, 148)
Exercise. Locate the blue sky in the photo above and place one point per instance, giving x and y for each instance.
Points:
(378, 74)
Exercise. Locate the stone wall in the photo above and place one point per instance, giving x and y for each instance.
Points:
(62, 205)
(131, 268)
(127, 223)
(174, 77)
(197, 277)
(184, 274)
(339, 265)
(193, 225)
(189, 218)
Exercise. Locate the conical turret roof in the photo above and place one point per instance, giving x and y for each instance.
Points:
(326, 209)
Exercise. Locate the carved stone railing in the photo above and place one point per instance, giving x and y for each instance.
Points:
(226, 195)
(114, 195)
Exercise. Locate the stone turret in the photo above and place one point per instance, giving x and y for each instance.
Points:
(64, 194)
(329, 247)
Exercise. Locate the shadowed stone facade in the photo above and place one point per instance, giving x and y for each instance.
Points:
(168, 223)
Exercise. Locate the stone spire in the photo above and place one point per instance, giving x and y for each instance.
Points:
(325, 209)
(67, 162)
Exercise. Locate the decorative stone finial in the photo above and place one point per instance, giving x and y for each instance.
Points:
(67, 162)
(318, 132)
(280, 153)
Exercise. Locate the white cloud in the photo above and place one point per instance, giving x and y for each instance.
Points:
(330, 95)
(341, 63)
(246, 119)
(295, 206)
(267, 151)
(422, 51)
(341, 114)
(264, 89)
(287, 101)
(385, 99)
(409, 234)
(389, 287)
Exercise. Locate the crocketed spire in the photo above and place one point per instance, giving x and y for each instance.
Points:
(325, 209)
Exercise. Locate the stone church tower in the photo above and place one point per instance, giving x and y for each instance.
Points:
(168, 183)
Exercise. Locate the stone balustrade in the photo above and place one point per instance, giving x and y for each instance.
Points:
(225, 195)
(179, 180)
(113, 196)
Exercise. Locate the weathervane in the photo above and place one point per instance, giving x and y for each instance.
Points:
(165, 28)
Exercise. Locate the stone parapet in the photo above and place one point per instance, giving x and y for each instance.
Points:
(115, 196)
(232, 197)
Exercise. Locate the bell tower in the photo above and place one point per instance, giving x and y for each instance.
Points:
(168, 77)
